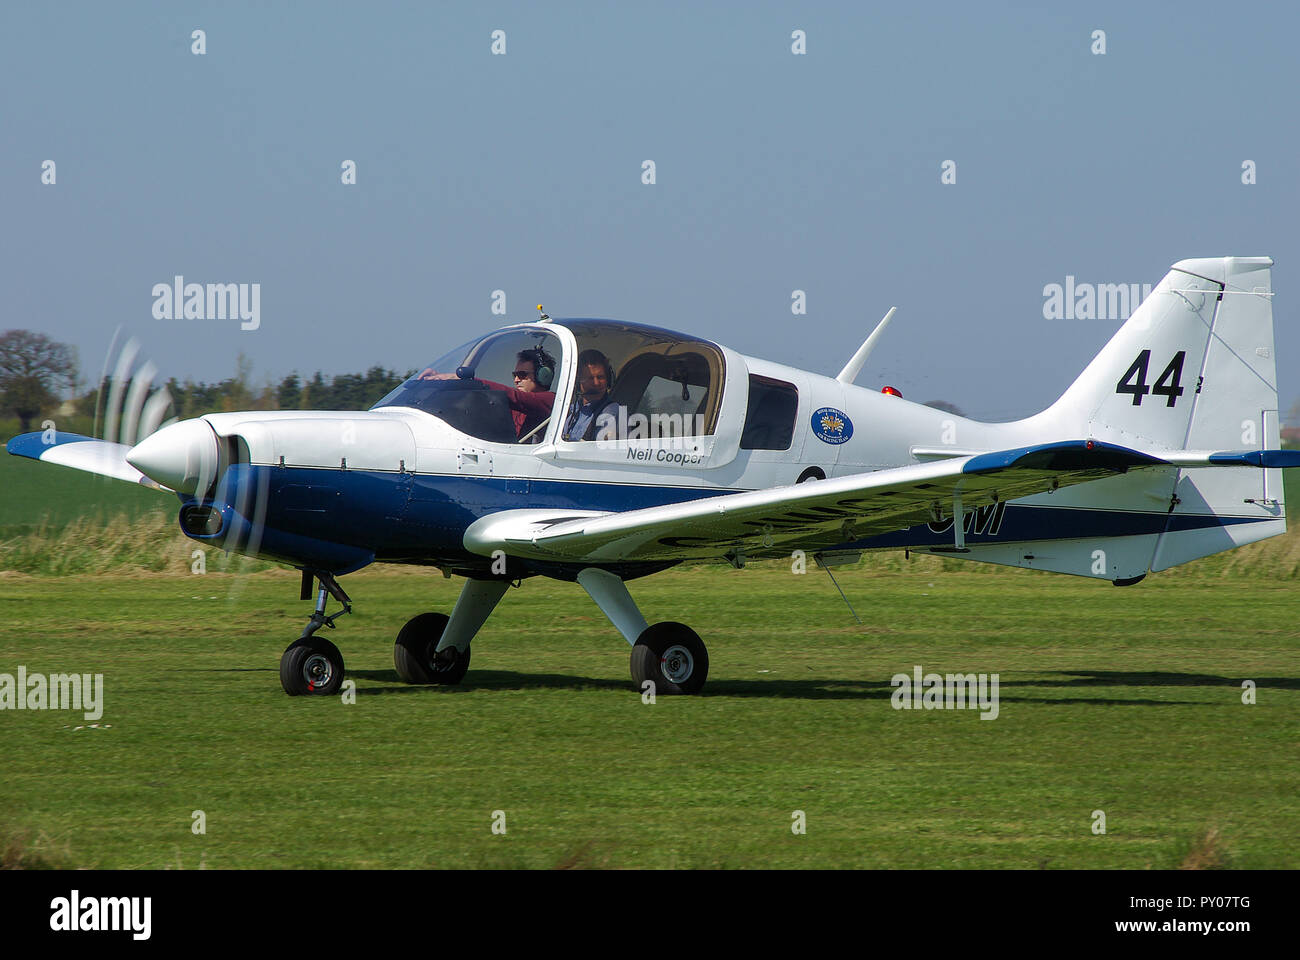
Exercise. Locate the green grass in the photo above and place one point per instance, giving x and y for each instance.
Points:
(37, 496)
(1128, 701)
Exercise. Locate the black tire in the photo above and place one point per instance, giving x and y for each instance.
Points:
(415, 656)
(672, 656)
(415, 642)
(311, 667)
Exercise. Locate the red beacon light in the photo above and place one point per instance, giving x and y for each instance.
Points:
(891, 391)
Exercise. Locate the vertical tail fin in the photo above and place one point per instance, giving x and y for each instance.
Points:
(1193, 363)
(1193, 369)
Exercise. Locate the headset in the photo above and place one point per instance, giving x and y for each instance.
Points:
(543, 364)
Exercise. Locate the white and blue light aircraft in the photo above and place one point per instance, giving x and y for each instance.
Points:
(641, 448)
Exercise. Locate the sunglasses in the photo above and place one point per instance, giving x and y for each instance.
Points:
(523, 375)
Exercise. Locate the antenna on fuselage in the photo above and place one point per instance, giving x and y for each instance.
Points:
(854, 366)
(543, 318)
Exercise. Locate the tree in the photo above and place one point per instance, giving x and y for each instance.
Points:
(235, 392)
(33, 368)
(315, 394)
(289, 392)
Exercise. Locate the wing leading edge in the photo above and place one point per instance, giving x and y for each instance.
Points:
(81, 453)
(809, 516)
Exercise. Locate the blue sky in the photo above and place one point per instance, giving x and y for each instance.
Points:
(522, 172)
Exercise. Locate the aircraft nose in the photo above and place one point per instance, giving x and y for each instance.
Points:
(183, 456)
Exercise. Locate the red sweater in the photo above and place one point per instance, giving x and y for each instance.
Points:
(527, 409)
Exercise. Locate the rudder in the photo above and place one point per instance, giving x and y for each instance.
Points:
(1235, 408)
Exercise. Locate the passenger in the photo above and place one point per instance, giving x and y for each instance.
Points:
(594, 415)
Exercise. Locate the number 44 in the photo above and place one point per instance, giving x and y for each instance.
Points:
(1169, 385)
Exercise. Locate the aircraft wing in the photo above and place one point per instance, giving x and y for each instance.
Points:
(81, 453)
(809, 516)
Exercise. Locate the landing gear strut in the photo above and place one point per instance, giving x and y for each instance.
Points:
(670, 655)
(311, 664)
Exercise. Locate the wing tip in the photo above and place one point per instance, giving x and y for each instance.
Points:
(1256, 458)
(33, 445)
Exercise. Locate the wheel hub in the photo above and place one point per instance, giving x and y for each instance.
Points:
(317, 670)
(677, 664)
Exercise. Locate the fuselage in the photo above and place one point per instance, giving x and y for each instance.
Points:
(334, 491)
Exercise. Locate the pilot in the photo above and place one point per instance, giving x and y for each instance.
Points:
(530, 400)
(595, 416)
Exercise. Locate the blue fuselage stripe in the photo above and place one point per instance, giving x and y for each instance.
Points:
(406, 516)
(424, 517)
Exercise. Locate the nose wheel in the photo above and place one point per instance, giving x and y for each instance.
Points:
(313, 665)
(672, 656)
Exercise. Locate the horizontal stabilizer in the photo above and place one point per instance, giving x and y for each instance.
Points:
(1255, 458)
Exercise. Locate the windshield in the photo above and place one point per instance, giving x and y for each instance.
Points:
(499, 388)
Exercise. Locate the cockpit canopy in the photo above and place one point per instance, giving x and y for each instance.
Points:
(661, 383)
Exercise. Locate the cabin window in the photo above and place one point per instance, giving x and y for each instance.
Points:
(770, 414)
(661, 384)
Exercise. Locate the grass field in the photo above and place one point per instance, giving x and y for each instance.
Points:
(1125, 701)
(36, 496)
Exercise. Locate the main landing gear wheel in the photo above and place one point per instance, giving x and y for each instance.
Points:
(313, 665)
(672, 656)
(416, 656)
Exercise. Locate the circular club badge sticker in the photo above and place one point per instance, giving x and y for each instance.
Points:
(831, 425)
